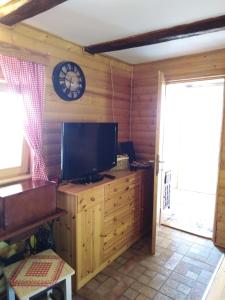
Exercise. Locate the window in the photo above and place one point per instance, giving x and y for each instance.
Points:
(14, 154)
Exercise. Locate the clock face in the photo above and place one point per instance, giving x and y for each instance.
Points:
(68, 81)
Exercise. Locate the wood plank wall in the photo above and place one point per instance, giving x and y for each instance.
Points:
(144, 106)
(96, 105)
(100, 102)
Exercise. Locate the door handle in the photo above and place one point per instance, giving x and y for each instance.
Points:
(158, 161)
(157, 165)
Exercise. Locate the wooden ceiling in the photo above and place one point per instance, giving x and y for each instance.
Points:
(160, 36)
(17, 10)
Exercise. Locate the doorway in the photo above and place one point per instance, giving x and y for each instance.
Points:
(190, 145)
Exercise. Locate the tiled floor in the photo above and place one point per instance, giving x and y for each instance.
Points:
(181, 269)
(184, 212)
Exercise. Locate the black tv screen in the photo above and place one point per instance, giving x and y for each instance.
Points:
(87, 148)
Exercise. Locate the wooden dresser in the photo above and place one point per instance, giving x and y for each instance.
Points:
(103, 220)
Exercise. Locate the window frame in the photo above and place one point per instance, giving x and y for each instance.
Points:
(10, 174)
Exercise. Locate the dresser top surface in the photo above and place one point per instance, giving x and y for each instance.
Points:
(71, 188)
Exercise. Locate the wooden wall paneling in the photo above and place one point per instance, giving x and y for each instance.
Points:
(9, 49)
(145, 87)
(210, 64)
(96, 104)
(144, 115)
(56, 44)
(219, 220)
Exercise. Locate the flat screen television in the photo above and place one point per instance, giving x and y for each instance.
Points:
(87, 149)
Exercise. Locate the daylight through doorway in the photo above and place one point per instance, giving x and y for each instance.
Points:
(190, 152)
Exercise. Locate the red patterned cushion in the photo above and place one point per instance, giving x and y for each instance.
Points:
(39, 270)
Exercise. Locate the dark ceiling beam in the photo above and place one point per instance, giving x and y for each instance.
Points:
(160, 36)
(17, 10)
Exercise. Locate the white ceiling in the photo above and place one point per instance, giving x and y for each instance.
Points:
(94, 21)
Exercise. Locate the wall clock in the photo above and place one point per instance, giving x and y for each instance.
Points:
(68, 81)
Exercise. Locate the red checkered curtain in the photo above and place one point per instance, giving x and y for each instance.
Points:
(27, 79)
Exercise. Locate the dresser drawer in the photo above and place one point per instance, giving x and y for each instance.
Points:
(120, 231)
(118, 225)
(122, 185)
(89, 198)
(111, 222)
(120, 199)
(121, 241)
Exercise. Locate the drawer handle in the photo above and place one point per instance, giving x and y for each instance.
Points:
(92, 198)
(103, 235)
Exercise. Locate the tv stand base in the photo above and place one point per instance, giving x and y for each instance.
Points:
(88, 179)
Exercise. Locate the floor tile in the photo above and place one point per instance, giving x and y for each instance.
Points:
(142, 297)
(160, 296)
(137, 286)
(205, 276)
(173, 261)
(197, 291)
(144, 279)
(148, 292)
(181, 269)
(172, 293)
(157, 281)
(183, 288)
(131, 293)
(172, 283)
(192, 275)
(183, 279)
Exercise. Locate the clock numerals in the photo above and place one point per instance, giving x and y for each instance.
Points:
(64, 69)
(62, 75)
(62, 82)
(68, 67)
(70, 95)
(66, 90)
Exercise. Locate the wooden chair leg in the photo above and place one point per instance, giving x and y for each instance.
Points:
(68, 289)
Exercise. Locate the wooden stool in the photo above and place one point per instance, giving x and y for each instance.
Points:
(37, 274)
